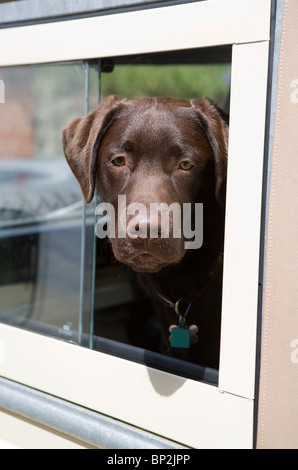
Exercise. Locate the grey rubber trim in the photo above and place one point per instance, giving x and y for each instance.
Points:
(75, 421)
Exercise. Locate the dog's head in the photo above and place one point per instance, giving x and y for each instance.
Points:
(150, 150)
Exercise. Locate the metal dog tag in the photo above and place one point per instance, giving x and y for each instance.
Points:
(180, 337)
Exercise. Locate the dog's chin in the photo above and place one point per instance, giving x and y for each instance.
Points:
(148, 263)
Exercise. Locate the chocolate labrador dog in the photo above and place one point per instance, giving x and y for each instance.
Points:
(156, 152)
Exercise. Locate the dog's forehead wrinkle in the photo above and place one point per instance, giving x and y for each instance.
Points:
(163, 126)
(155, 119)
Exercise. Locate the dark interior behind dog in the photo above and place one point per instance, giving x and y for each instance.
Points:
(161, 150)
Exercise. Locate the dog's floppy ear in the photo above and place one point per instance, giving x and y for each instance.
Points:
(215, 125)
(81, 140)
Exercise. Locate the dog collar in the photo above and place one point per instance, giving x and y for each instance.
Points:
(190, 299)
(181, 335)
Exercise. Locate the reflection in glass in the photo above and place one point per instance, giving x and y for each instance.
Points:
(41, 202)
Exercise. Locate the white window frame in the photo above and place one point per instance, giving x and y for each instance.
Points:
(187, 411)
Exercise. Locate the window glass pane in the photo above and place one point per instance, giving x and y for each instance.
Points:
(41, 202)
(50, 256)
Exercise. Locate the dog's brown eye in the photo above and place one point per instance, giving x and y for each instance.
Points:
(119, 161)
(185, 165)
